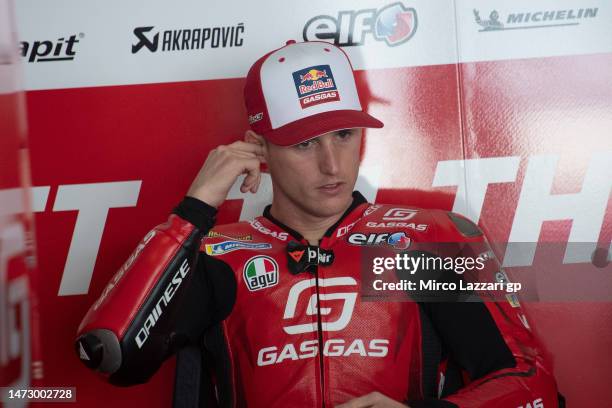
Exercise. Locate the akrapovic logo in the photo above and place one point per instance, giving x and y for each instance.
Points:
(161, 304)
(61, 49)
(533, 19)
(394, 24)
(188, 39)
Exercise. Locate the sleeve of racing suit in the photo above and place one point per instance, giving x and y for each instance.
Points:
(504, 369)
(154, 304)
(500, 359)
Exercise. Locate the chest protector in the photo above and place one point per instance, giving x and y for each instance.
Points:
(310, 337)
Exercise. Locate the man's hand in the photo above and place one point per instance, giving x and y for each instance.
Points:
(372, 400)
(221, 168)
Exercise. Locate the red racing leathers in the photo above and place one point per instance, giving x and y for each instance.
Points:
(293, 325)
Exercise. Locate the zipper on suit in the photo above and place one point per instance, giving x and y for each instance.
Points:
(320, 335)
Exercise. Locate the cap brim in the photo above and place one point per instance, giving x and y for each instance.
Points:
(319, 124)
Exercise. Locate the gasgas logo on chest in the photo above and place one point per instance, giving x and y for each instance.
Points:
(332, 347)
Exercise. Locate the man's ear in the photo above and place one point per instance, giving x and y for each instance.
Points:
(252, 137)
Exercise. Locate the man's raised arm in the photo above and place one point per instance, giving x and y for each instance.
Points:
(133, 326)
(161, 297)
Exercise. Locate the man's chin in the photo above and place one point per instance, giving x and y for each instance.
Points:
(328, 205)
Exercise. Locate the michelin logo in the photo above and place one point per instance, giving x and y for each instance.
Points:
(534, 19)
(229, 246)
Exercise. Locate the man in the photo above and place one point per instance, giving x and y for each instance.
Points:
(274, 303)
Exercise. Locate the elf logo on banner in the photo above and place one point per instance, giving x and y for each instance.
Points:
(315, 85)
(260, 272)
(393, 24)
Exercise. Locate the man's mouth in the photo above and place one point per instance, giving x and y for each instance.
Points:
(331, 187)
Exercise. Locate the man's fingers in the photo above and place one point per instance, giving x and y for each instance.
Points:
(247, 147)
(232, 153)
(256, 184)
(372, 400)
(237, 156)
(221, 168)
(365, 401)
(251, 167)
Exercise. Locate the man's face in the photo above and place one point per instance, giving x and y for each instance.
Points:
(318, 175)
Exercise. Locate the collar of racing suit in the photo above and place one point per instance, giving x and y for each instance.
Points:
(358, 199)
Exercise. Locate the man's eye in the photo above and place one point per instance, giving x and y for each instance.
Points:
(344, 133)
(304, 145)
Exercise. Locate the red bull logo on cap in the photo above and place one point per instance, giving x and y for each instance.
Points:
(315, 85)
(313, 75)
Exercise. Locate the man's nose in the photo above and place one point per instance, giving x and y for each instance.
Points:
(328, 158)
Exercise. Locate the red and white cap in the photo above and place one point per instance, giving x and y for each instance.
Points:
(301, 91)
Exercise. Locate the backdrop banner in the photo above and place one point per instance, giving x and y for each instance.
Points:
(500, 111)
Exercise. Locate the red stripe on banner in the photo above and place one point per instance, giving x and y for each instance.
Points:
(161, 134)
